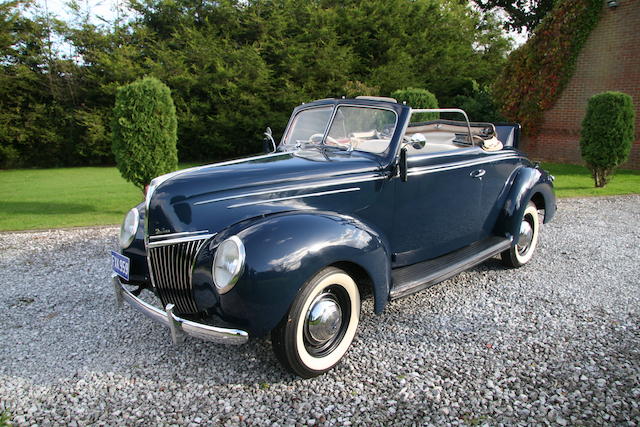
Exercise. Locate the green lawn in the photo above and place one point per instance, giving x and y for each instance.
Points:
(52, 198)
(576, 181)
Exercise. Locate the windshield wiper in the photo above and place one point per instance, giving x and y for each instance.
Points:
(305, 144)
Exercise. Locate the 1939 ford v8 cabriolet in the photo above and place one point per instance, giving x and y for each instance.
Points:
(356, 196)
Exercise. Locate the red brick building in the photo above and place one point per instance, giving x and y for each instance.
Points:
(609, 60)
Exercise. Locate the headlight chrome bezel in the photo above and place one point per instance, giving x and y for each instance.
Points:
(224, 285)
(128, 234)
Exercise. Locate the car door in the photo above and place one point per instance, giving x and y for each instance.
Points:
(435, 209)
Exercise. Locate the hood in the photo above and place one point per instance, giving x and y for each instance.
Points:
(207, 197)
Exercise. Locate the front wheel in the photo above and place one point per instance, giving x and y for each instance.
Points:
(320, 325)
(520, 254)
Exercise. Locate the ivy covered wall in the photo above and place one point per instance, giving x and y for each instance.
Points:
(537, 72)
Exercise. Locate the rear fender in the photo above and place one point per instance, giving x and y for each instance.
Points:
(285, 250)
(528, 183)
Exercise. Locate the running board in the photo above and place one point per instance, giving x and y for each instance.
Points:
(416, 277)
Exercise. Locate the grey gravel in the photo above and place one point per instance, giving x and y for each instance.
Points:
(555, 342)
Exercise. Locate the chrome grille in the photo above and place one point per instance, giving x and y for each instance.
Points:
(170, 267)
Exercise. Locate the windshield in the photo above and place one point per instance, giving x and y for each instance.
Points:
(353, 128)
(309, 126)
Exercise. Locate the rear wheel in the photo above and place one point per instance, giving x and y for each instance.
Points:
(320, 325)
(520, 254)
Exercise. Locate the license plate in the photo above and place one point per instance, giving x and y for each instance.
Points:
(120, 265)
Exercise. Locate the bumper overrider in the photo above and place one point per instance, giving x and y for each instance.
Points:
(179, 327)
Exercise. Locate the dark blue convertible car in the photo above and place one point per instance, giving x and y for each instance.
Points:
(358, 195)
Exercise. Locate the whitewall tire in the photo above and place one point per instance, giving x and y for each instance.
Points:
(320, 325)
(522, 252)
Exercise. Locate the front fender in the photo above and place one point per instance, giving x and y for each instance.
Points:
(528, 183)
(284, 251)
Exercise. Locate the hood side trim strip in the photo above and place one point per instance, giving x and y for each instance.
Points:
(294, 188)
(301, 196)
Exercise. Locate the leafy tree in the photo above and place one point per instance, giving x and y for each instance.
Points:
(417, 99)
(522, 15)
(34, 95)
(422, 43)
(144, 131)
(608, 130)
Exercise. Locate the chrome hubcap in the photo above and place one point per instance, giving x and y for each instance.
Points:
(526, 237)
(323, 319)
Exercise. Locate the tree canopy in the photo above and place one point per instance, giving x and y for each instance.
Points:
(233, 67)
(521, 15)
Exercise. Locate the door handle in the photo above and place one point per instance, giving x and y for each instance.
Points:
(479, 173)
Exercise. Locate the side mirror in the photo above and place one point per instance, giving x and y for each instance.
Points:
(269, 144)
(403, 164)
(418, 141)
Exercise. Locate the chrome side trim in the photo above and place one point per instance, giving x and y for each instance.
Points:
(300, 196)
(179, 327)
(295, 188)
(457, 165)
(157, 244)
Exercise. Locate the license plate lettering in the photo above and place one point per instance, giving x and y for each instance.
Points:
(120, 265)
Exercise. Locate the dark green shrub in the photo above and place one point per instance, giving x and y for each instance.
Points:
(9, 157)
(479, 106)
(418, 98)
(144, 131)
(608, 129)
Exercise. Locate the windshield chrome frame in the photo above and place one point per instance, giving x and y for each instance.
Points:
(313, 107)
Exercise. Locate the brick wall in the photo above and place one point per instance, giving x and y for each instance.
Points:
(610, 60)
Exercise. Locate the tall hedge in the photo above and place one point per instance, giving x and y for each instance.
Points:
(608, 130)
(418, 98)
(144, 131)
(234, 67)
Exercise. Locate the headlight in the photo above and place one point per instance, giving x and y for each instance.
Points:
(228, 264)
(129, 228)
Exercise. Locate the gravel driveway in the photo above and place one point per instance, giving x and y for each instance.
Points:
(555, 342)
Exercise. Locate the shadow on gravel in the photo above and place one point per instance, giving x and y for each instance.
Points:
(493, 264)
(149, 354)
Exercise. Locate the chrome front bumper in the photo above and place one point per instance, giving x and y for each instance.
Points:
(179, 327)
